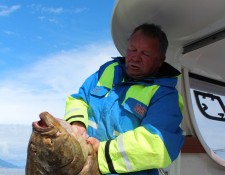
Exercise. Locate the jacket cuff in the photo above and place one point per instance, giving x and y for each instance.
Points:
(77, 118)
(102, 163)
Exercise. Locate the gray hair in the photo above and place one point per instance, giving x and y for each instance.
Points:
(152, 30)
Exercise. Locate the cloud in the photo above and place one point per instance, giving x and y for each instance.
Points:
(80, 10)
(44, 9)
(45, 85)
(52, 14)
(47, 13)
(57, 10)
(6, 11)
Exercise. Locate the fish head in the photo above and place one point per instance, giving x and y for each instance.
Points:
(53, 145)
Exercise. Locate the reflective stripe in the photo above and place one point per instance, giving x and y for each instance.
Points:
(116, 133)
(123, 153)
(92, 124)
(71, 110)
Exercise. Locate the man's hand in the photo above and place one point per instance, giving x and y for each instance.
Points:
(80, 127)
(94, 142)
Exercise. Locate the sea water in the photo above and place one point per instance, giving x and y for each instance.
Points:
(8, 171)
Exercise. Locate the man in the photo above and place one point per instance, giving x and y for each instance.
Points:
(131, 108)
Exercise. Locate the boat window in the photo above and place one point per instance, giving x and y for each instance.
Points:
(208, 99)
(210, 105)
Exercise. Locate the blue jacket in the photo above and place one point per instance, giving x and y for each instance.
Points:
(137, 122)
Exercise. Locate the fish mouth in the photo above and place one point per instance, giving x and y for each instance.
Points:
(44, 125)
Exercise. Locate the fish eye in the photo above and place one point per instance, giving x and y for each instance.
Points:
(48, 141)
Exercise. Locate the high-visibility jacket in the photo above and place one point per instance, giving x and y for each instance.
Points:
(137, 122)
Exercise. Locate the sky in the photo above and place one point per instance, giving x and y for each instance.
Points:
(47, 49)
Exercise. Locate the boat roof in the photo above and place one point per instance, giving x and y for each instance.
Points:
(185, 23)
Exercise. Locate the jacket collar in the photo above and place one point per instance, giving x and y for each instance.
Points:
(165, 71)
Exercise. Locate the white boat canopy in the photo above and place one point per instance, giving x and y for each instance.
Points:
(184, 22)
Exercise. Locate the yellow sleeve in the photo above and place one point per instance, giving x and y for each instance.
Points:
(133, 151)
(76, 110)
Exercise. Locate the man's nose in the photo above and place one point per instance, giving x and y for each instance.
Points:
(137, 56)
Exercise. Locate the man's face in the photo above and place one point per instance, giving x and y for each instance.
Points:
(143, 56)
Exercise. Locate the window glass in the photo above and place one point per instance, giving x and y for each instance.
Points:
(208, 101)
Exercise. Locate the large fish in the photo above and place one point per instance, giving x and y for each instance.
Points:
(55, 149)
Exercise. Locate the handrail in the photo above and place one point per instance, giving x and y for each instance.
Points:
(163, 172)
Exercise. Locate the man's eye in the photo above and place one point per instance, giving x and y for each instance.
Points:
(132, 49)
(146, 54)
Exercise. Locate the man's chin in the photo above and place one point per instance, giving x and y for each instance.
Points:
(135, 76)
(134, 73)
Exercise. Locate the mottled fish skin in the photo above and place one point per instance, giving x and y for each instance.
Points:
(55, 149)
